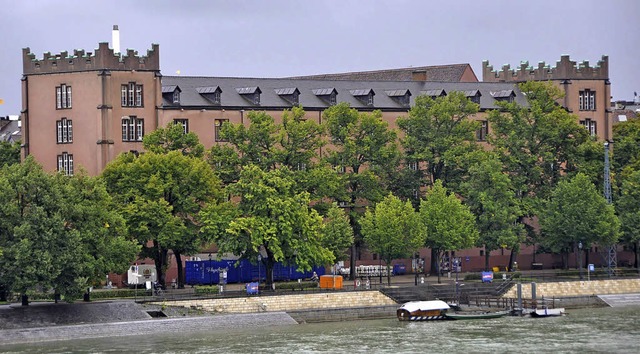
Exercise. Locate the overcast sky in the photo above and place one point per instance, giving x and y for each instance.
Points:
(294, 37)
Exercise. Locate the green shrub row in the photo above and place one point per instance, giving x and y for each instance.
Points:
(207, 289)
(297, 286)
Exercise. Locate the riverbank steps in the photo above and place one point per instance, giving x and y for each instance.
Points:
(578, 288)
(301, 302)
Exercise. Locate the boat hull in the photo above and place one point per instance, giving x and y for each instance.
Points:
(476, 316)
(432, 315)
(423, 311)
(547, 313)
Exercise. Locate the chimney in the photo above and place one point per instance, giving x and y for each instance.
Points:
(115, 39)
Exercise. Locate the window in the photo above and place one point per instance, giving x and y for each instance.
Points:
(413, 166)
(252, 94)
(587, 100)
(65, 164)
(131, 95)
(416, 194)
(216, 97)
(64, 131)
(176, 96)
(301, 166)
(184, 123)
(218, 129)
(590, 125)
(481, 134)
(132, 128)
(63, 96)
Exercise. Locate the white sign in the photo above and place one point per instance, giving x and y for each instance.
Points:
(591, 268)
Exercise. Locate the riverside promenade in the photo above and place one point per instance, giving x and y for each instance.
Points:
(47, 321)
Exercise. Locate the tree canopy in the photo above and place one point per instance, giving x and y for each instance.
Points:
(160, 196)
(273, 220)
(9, 153)
(393, 229)
(450, 224)
(58, 232)
(173, 138)
(489, 194)
(361, 146)
(576, 212)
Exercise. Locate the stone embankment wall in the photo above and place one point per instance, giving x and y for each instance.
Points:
(578, 288)
(300, 302)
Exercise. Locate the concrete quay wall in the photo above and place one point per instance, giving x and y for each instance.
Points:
(288, 303)
(578, 288)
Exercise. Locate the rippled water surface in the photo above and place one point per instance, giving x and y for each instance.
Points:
(613, 330)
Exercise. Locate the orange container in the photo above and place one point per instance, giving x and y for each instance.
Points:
(331, 281)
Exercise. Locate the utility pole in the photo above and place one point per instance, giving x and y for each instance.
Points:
(611, 256)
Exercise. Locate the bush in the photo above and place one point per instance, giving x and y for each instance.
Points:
(294, 285)
(207, 289)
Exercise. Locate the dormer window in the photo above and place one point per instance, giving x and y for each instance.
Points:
(504, 95)
(290, 94)
(364, 95)
(172, 94)
(327, 94)
(251, 94)
(473, 95)
(434, 93)
(212, 93)
(402, 97)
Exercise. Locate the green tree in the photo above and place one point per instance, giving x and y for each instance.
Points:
(537, 143)
(438, 134)
(439, 131)
(576, 212)
(173, 138)
(337, 234)
(9, 153)
(272, 219)
(361, 146)
(393, 230)
(161, 196)
(294, 143)
(489, 194)
(58, 232)
(628, 209)
(450, 224)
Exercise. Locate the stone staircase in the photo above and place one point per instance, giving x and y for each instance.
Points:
(578, 288)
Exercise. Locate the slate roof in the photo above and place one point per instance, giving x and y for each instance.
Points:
(10, 130)
(444, 73)
(312, 92)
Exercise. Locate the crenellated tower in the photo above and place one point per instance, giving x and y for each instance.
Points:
(587, 90)
(96, 105)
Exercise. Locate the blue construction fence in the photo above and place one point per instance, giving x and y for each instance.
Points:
(210, 272)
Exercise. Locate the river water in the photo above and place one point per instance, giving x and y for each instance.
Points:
(612, 330)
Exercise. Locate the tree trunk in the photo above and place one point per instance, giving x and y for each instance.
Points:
(635, 253)
(180, 271)
(486, 259)
(434, 267)
(513, 256)
(438, 261)
(160, 261)
(269, 274)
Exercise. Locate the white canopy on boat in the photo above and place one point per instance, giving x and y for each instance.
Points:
(425, 305)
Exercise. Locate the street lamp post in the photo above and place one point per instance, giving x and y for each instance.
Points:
(210, 270)
(415, 267)
(259, 261)
(580, 258)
